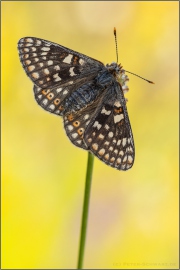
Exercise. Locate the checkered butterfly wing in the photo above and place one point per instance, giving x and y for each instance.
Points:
(104, 129)
(56, 71)
(109, 135)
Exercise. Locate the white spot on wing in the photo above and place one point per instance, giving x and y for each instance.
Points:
(125, 158)
(45, 101)
(110, 134)
(65, 92)
(58, 90)
(96, 124)
(28, 44)
(35, 75)
(45, 49)
(52, 107)
(101, 151)
(28, 62)
(101, 136)
(38, 89)
(119, 142)
(118, 118)
(68, 58)
(118, 160)
(46, 71)
(86, 116)
(124, 141)
(106, 127)
(130, 159)
(117, 103)
(81, 61)
(56, 67)
(38, 42)
(71, 71)
(56, 77)
(74, 135)
(39, 96)
(29, 40)
(121, 153)
(50, 62)
(95, 146)
(112, 159)
(106, 143)
(105, 111)
(31, 68)
(70, 127)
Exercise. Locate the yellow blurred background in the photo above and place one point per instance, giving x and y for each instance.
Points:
(133, 217)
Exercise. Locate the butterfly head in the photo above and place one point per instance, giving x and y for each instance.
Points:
(119, 73)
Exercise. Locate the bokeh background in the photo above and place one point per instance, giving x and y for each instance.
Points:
(133, 217)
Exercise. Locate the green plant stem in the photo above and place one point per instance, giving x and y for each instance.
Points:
(85, 210)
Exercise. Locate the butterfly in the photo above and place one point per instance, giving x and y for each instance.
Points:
(87, 94)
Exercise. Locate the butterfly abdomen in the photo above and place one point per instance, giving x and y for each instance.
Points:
(82, 97)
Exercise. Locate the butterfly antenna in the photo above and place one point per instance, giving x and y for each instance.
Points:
(116, 43)
(117, 59)
(139, 76)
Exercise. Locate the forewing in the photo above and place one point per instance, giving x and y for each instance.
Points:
(109, 135)
(48, 64)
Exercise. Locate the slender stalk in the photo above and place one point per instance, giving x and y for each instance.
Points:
(85, 210)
